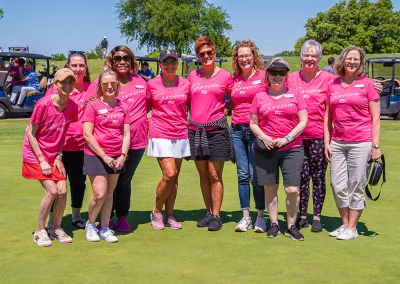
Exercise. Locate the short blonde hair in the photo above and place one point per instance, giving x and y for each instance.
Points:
(272, 61)
(106, 71)
(257, 60)
(339, 63)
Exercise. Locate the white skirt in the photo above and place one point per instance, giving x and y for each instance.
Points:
(165, 148)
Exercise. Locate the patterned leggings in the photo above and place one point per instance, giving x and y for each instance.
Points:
(314, 166)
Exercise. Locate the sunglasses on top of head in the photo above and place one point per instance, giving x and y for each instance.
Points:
(277, 72)
(209, 53)
(125, 58)
(76, 52)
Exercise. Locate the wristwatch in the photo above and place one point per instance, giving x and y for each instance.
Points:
(376, 146)
(125, 156)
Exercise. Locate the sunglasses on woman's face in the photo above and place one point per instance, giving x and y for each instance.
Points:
(209, 53)
(118, 59)
(105, 85)
(277, 72)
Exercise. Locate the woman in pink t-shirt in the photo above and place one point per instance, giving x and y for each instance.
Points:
(74, 141)
(248, 80)
(210, 142)
(278, 116)
(42, 154)
(167, 97)
(107, 135)
(133, 93)
(354, 109)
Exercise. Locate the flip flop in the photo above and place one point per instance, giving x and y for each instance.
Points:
(80, 224)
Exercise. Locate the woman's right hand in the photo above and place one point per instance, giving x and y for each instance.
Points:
(46, 169)
(328, 152)
(268, 141)
(109, 161)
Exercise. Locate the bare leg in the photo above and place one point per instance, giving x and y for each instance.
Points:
(99, 186)
(106, 208)
(50, 189)
(217, 185)
(170, 202)
(166, 183)
(271, 202)
(344, 214)
(61, 201)
(202, 168)
(354, 216)
(292, 204)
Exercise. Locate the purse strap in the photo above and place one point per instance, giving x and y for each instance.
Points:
(367, 192)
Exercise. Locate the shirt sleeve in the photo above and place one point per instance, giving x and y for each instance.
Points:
(301, 103)
(372, 93)
(254, 106)
(38, 113)
(149, 103)
(229, 85)
(89, 114)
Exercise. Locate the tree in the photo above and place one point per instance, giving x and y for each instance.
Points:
(58, 57)
(223, 45)
(1, 13)
(174, 24)
(373, 26)
(99, 51)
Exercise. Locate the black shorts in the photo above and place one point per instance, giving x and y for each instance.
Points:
(94, 165)
(290, 162)
(218, 145)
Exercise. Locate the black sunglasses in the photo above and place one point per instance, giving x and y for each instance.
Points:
(76, 52)
(209, 53)
(277, 72)
(118, 59)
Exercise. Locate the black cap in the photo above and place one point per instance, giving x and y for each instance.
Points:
(168, 53)
(279, 64)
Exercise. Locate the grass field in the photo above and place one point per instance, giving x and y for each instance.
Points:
(194, 255)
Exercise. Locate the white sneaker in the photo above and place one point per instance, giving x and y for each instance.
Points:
(61, 236)
(42, 239)
(348, 234)
(260, 226)
(91, 232)
(108, 235)
(244, 225)
(338, 231)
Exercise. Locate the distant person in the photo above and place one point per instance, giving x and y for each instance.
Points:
(17, 70)
(104, 45)
(2, 63)
(31, 84)
(329, 68)
(145, 72)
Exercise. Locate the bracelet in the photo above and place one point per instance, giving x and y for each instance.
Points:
(125, 156)
(288, 138)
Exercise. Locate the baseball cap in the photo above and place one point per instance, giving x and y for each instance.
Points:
(63, 74)
(276, 63)
(168, 53)
(105, 37)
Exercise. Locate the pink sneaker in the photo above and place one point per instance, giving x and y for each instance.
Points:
(157, 221)
(111, 225)
(172, 223)
(123, 225)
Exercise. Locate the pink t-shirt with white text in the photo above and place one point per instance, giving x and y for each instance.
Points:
(74, 140)
(243, 93)
(168, 117)
(277, 117)
(314, 94)
(208, 95)
(108, 125)
(134, 96)
(350, 109)
(52, 127)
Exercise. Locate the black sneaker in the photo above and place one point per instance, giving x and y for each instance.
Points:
(215, 223)
(294, 233)
(301, 223)
(316, 226)
(273, 231)
(205, 220)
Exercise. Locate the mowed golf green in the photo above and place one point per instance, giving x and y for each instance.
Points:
(194, 255)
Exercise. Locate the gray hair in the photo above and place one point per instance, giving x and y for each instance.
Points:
(311, 43)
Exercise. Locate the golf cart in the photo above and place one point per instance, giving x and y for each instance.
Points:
(387, 71)
(6, 80)
(190, 63)
(142, 59)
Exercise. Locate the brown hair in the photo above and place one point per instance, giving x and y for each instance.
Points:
(202, 41)
(257, 60)
(86, 78)
(339, 63)
(110, 62)
(273, 60)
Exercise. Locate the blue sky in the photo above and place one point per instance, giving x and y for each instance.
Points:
(49, 26)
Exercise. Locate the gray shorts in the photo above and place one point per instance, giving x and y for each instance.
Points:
(290, 162)
(94, 165)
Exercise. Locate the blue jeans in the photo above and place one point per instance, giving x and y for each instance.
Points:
(122, 192)
(242, 141)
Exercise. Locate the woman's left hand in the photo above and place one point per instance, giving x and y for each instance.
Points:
(120, 162)
(378, 86)
(280, 142)
(58, 164)
(375, 154)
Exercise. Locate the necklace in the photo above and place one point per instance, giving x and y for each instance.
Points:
(169, 84)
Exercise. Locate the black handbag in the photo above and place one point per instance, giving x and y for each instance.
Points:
(261, 149)
(376, 172)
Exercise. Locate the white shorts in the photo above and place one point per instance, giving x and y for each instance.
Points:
(164, 148)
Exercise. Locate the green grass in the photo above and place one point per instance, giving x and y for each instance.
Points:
(194, 255)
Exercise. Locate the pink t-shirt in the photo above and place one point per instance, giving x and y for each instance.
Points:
(168, 118)
(108, 125)
(314, 94)
(134, 96)
(277, 117)
(52, 126)
(350, 109)
(208, 95)
(243, 93)
(74, 140)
